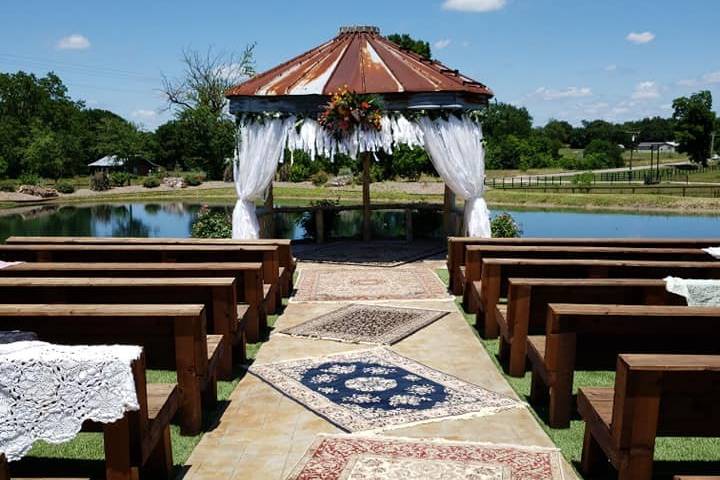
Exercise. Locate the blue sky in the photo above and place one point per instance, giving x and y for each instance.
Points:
(568, 59)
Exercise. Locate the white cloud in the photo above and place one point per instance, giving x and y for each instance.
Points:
(144, 114)
(611, 68)
(640, 38)
(474, 5)
(570, 92)
(646, 91)
(73, 42)
(440, 44)
(706, 79)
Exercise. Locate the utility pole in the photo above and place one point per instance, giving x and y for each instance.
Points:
(712, 145)
(633, 136)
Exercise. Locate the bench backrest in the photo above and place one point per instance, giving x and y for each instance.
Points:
(665, 395)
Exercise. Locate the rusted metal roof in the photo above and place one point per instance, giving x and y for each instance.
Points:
(366, 62)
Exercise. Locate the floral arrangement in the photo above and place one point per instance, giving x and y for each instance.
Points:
(348, 110)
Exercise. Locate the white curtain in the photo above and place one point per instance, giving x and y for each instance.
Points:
(259, 150)
(456, 150)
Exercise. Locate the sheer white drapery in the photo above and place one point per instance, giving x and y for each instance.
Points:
(260, 146)
(456, 149)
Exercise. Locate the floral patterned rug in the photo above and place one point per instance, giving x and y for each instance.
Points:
(378, 389)
(337, 284)
(374, 324)
(375, 253)
(358, 457)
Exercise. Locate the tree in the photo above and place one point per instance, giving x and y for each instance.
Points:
(605, 153)
(501, 119)
(405, 41)
(559, 130)
(695, 122)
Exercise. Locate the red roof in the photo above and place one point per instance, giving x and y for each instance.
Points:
(366, 62)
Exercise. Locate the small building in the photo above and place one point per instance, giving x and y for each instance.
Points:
(113, 163)
(658, 146)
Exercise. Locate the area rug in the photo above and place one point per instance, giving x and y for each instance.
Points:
(362, 457)
(378, 389)
(375, 254)
(374, 324)
(340, 284)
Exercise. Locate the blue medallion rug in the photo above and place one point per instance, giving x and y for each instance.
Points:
(378, 389)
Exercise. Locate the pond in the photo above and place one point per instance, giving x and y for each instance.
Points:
(174, 219)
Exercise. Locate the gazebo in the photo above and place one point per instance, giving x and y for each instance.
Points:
(424, 103)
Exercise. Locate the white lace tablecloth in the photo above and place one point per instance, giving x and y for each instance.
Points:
(714, 251)
(47, 391)
(699, 293)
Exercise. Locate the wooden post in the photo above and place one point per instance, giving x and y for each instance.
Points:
(4, 474)
(408, 225)
(448, 206)
(366, 196)
(319, 225)
(269, 223)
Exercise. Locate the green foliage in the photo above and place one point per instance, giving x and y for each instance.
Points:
(29, 178)
(583, 180)
(119, 179)
(502, 119)
(99, 182)
(695, 124)
(319, 178)
(511, 151)
(210, 224)
(505, 226)
(404, 40)
(8, 186)
(151, 182)
(193, 179)
(604, 154)
(410, 163)
(558, 130)
(65, 187)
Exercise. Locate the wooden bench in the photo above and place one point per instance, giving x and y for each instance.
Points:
(173, 337)
(287, 262)
(136, 446)
(474, 255)
(589, 337)
(248, 278)
(497, 271)
(266, 254)
(527, 299)
(457, 245)
(654, 395)
(216, 294)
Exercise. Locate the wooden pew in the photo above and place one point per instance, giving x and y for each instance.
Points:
(497, 271)
(248, 278)
(136, 446)
(527, 299)
(474, 255)
(216, 294)
(457, 245)
(267, 254)
(173, 337)
(654, 395)
(287, 262)
(589, 337)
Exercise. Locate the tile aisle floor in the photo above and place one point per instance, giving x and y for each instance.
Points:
(262, 434)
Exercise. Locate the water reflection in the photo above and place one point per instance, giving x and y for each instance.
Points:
(174, 219)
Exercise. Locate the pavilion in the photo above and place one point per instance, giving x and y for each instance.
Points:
(425, 104)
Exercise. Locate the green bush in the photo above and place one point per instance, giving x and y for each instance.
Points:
(151, 182)
(209, 224)
(99, 182)
(193, 180)
(29, 178)
(119, 179)
(505, 226)
(605, 154)
(65, 187)
(319, 178)
(8, 186)
(584, 180)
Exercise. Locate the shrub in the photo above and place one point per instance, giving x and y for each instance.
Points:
(209, 224)
(151, 182)
(605, 154)
(99, 182)
(29, 179)
(65, 187)
(505, 226)
(193, 180)
(8, 186)
(584, 180)
(319, 178)
(119, 179)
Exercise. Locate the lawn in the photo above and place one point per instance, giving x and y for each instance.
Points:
(668, 451)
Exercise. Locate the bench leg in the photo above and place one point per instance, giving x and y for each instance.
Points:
(160, 462)
(118, 461)
(561, 403)
(593, 458)
(209, 395)
(503, 351)
(491, 330)
(518, 359)
(538, 389)
(635, 465)
(4, 473)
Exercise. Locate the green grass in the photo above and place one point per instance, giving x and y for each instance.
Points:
(569, 440)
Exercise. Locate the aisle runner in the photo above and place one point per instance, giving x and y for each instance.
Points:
(369, 284)
(339, 457)
(378, 389)
(375, 324)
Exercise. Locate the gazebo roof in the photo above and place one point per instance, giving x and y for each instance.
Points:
(366, 62)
